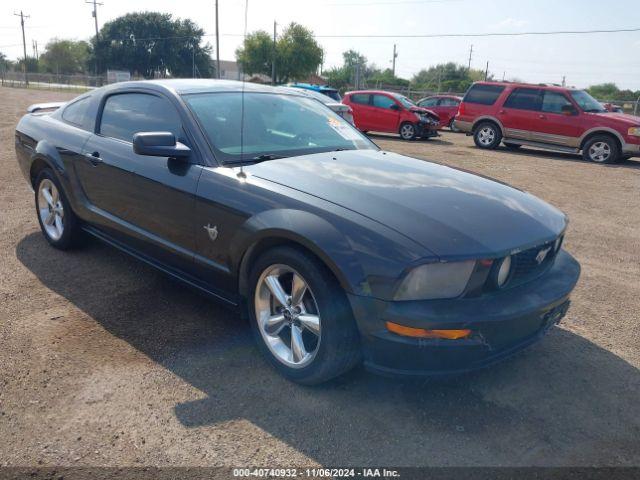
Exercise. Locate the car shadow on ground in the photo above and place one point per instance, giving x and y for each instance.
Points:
(565, 401)
(632, 163)
(390, 137)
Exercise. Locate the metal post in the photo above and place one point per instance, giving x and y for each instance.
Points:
(470, 53)
(486, 72)
(393, 68)
(273, 55)
(94, 14)
(24, 47)
(217, 44)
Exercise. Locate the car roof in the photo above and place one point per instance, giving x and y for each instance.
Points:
(314, 87)
(545, 86)
(196, 85)
(372, 92)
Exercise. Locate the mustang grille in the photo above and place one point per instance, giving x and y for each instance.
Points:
(530, 264)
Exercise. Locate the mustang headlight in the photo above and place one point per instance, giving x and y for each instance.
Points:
(635, 131)
(435, 280)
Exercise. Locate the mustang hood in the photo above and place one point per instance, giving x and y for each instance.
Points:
(426, 111)
(450, 212)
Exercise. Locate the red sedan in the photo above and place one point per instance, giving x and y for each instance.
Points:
(445, 106)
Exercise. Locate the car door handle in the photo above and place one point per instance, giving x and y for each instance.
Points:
(94, 158)
(502, 111)
(542, 117)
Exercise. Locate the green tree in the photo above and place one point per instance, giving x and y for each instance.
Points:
(33, 65)
(65, 56)
(604, 91)
(449, 77)
(5, 63)
(297, 54)
(153, 44)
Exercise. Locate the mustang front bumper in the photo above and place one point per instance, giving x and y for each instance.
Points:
(502, 323)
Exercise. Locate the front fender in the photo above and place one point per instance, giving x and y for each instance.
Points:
(309, 230)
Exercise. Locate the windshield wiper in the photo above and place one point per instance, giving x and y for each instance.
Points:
(267, 156)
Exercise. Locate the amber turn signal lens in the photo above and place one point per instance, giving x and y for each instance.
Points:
(423, 333)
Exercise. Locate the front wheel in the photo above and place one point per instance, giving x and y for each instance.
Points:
(601, 149)
(487, 135)
(301, 317)
(452, 126)
(408, 131)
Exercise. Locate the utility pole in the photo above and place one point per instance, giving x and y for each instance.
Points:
(94, 14)
(503, 74)
(24, 47)
(395, 55)
(439, 78)
(564, 80)
(34, 46)
(486, 72)
(470, 54)
(273, 55)
(217, 44)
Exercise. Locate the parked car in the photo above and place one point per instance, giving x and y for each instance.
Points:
(330, 92)
(379, 111)
(337, 251)
(445, 106)
(340, 108)
(610, 107)
(557, 118)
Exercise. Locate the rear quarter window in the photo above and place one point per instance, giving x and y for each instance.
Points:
(483, 94)
(360, 98)
(76, 113)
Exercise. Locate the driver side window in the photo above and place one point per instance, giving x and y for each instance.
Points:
(126, 114)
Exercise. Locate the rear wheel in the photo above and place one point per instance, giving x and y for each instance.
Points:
(487, 135)
(601, 149)
(58, 223)
(407, 131)
(301, 317)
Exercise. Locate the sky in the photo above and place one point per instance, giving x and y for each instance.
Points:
(583, 59)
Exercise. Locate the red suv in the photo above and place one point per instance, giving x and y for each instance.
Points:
(379, 111)
(445, 106)
(550, 117)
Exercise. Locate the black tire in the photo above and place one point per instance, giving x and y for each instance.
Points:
(71, 233)
(512, 146)
(338, 348)
(407, 131)
(601, 149)
(487, 135)
(452, 126)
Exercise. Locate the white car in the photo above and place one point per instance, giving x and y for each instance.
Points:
(340, 108)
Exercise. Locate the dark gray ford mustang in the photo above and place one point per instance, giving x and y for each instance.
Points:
(337, 251)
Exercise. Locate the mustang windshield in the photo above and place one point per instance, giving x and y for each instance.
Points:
(587, 102)
(274, 126)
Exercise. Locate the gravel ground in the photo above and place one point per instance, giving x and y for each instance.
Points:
(107, 362)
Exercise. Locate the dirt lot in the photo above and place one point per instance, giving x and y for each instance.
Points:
(107, 362)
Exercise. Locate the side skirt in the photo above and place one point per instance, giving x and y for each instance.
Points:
(192, 282)
(546, 146)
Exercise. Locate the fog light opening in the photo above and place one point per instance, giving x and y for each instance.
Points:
(424, 333)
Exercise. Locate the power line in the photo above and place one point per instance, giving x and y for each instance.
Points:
(492, 34)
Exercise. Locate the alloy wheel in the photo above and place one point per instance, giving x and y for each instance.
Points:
(287, 315)
(50, 209)
(600, 152)
(486, 136)
(407, 132)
